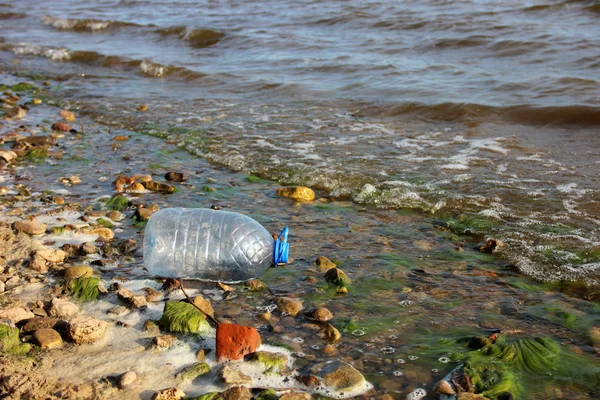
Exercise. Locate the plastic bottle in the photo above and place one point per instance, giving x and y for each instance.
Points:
(198, 243)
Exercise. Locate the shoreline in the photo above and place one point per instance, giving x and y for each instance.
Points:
(79, 171)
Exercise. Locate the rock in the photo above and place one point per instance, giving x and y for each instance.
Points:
(89, 248)
(444, 387)
(152, 295)
(151, 327)
(265, 316)
(11, 344)
(143, 107)
(255, 285)
(52, 255)
(138, 301)
(271, 362)
(48, 338)
(179, 316)
(337, 277)
(62, 308)
(235, 393)
(115, 215)
(86, 329)
(193, 371)
(8, 155)
(78, 271)
(38, 264)
(330, 350)
(308, 380)
(169, 394)
(289, 305)
(143, 214)
(30, 227)
(200, 355)
(117, 311)
(297, 193)
(323, 264)
(320, 314)
(489, 246)
(204, 305)
(330, 334)
(16, 314)
(164, 341)
(231, 376)
(38, 323)
(2, 287)
(142, 178)
(120, 138)
(67, 114)
(295, 396)
(17, 112)
(61, 127)
(127, 380)
(233, 341)
(342, 377)
(175, 176)
(159, 187)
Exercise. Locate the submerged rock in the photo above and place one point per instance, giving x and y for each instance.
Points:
(159, 187)
(289, 305)
(175, 176)
(271, 362)
(342, 377)
(330, 334)
(337, 277)
(319, 314)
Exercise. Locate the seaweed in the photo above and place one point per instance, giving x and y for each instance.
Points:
(85, 288)
(183, 317)
(36, 155)
(10, 342)
(117, 203)
(105, 223)
(193, 371)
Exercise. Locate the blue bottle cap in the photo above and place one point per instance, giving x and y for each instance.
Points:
(281, 248)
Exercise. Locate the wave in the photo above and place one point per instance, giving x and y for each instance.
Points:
(196, 38)
(11, 15)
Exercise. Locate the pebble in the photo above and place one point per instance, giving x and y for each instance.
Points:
(115, 215)
(121, 138)
(89, 248)
(445, 388)
(118, 311)
(17, 112)
(231, 376)
(30, 227)
(138, 301)
(330, 334)
(323, 264)
(295, 396)
(236, 393)
(289, 305)
(164, 341)
(62, 308)
(86, 329)
(2, 287)
(320, 314)
(204, 305)
(159, 187)
(151, 327)
(153, 295)
(16, 314)
(175, 176)
(127, 380)
(48, 338)
(52, 255)
(8, 155)
(61, 127)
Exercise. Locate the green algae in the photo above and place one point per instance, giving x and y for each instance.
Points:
(85, 288)
(179, 316)
(57, 230)
(117, 202)
(22, 87)
(272, 363)
(205, 396)
(269, 394)
(253, 179)
(36, 156)
(10, 342)
(105, 223)
(471, 224)
(193, 371)
(337, 277)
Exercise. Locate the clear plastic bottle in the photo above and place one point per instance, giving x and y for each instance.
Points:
(206, 244)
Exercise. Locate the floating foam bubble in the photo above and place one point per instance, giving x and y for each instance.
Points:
(413, 358)
(401, 361)
(416, 394)
(358, 332)
(152, 69)
(444, 360)
(398, 373)
(406, 303)
(388, 350)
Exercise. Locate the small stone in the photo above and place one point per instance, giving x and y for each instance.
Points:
(330, 350)
(115, 215)
(38, 323)
(164, 341)
(289, 305)
(89, 248)
(151, 327)
(74, 180)
(192, 372)
(341, 290)
(67, 114)
(297, 193)
(143, 214)
(320, 314)
(127, 380)
(233, 341)
(235, 393)
(17, 112)
(30, 227)
(330, 334)
(489, 246)
(153, 295)
(295, 396)
(142, 178)
(138, 301)
(52, 255)
(265, 316)
(143, 107)
(169, 394)
(308, 380)
(200, 355)
(8, 155)
(38, 264)
(86, 329)
(121, 138)
(159, 187)
(204, 305)
(341, 376)
(61, 127)
(137, 188)
(48, 338)
(125, 294)
(175, 176)
(118, 311)
(337, 277)
(2, 287)
(16, 314)
(444, 387)
(231, 376)
(255, 285)
(323, 264)
(62, 308)
(36, 101)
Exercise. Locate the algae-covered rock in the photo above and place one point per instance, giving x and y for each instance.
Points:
(183, 317)
(268, 394)
(254, 285)
(342, 377)
(323, 264)
(117, 203)
(289, 305)
(10, 342)
(302, 193)
(169, 394)
(337, 277)
(193, 371)
(205, 396)
(271, 362)
(330, 333)
(85, 288)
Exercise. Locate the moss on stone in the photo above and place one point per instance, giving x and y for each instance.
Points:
(106, 223)
(193, 371)
(271, 362)
(183, 317)
(117, 203)
(10, 342)
(85, 288)
(269, 394)
(205, 396)
(337, 277)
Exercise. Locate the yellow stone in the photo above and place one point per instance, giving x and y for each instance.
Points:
(37, 101)
(297, 193)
